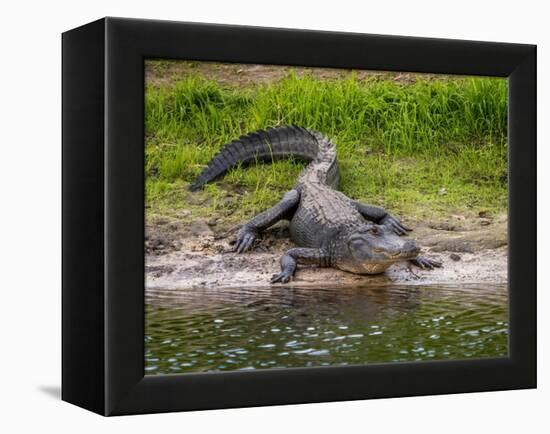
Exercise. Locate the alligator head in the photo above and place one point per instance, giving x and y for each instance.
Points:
(373, 248)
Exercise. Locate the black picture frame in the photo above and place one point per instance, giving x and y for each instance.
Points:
(103, 215)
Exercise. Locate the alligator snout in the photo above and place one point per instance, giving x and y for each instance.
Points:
(408, 250)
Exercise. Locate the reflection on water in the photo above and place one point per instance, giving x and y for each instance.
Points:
(218, 329)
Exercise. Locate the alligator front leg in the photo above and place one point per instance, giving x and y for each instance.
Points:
(292, 257)
(425, 263)
(380, 216)
(251, 230)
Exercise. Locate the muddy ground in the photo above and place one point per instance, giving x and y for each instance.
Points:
(182, 253)
(245, 75)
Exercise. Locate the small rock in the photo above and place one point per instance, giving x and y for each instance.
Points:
(156, 243)
(483, 214)
(212, 222)
(184, 213)
(443, 226)
(455, 257)
(485, 222)
(442, 191)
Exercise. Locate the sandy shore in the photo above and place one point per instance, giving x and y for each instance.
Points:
(197, 254)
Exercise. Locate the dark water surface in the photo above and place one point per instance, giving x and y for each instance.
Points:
(216, 329)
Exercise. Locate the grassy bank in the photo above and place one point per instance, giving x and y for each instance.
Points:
(424, 148)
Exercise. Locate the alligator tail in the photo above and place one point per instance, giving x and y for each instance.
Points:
(263, 145)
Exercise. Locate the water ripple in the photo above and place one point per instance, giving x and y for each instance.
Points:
(215, 329)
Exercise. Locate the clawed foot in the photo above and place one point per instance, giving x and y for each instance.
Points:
(245, 239)
(425, 263)
(394, 224)
(283, 277)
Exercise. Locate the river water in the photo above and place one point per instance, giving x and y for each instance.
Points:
(216, 329)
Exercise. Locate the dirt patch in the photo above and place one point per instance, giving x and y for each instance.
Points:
(197, 254)
(166, 73)
(464, 236)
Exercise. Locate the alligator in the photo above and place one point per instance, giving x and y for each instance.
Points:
(330, 229)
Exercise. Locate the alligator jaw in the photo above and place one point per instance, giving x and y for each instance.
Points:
(405, 255)
(377, 266)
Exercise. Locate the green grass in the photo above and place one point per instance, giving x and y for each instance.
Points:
(424, 149)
